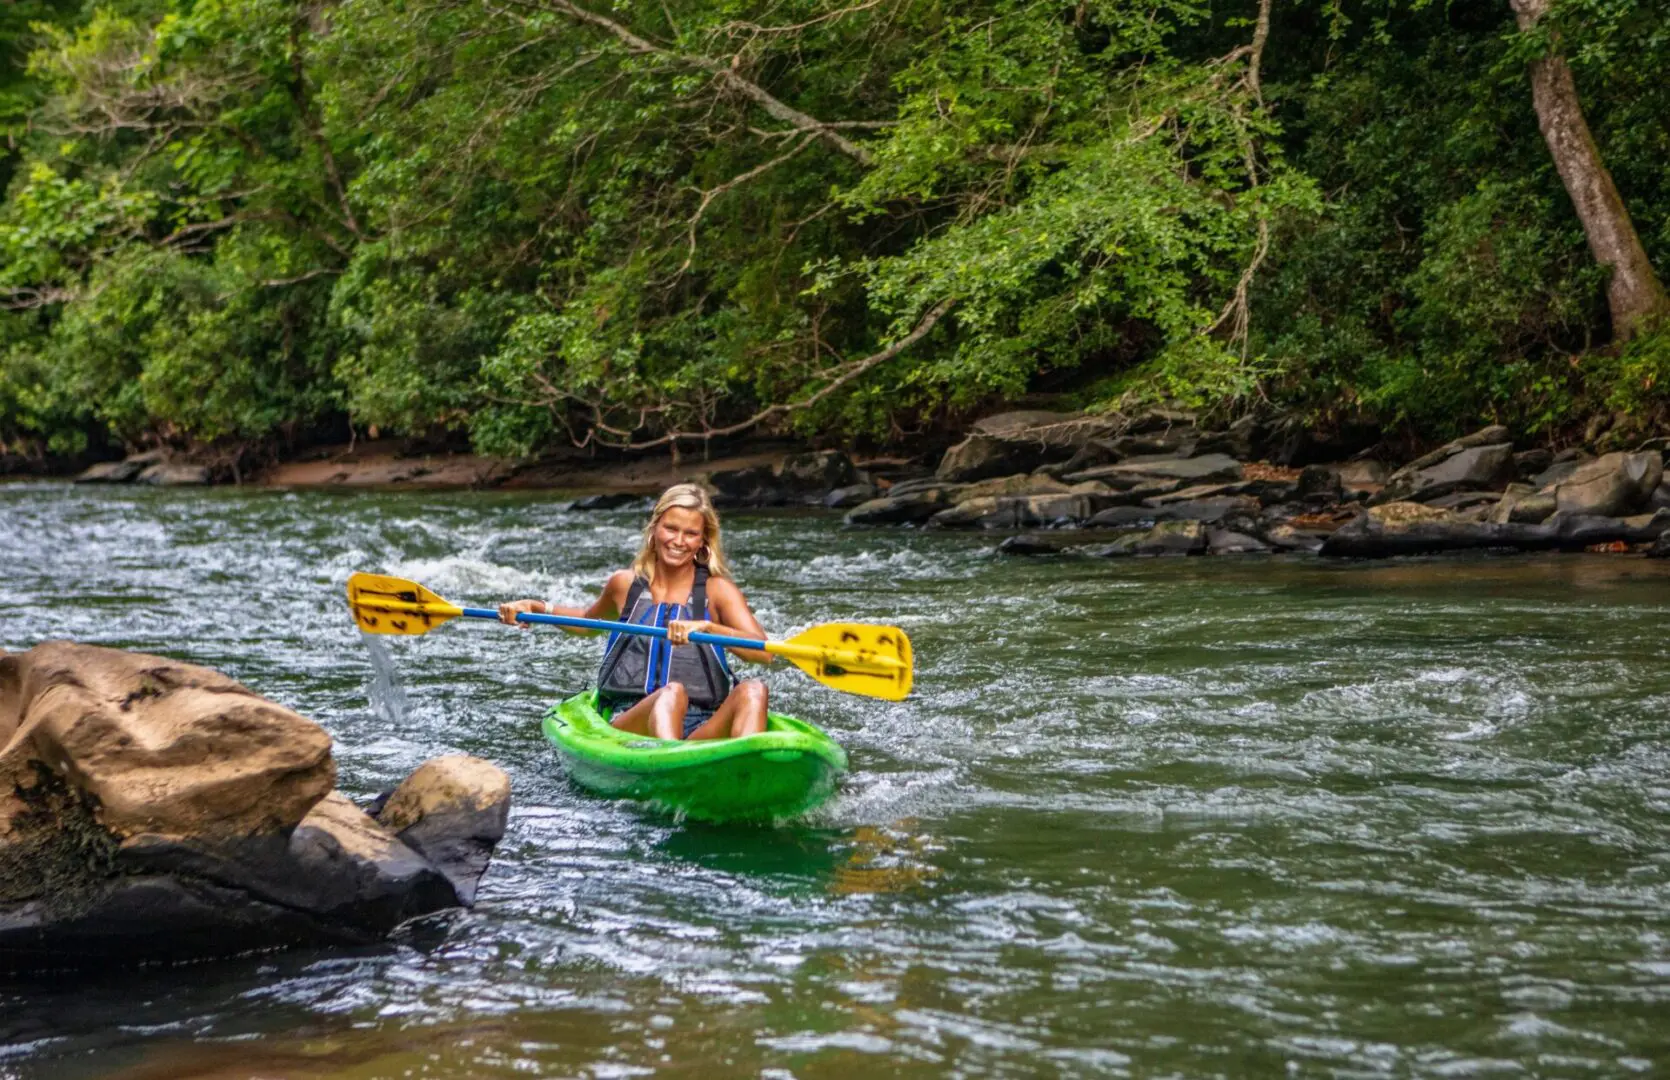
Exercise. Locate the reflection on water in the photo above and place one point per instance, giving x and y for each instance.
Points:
(1189, 817)
(890, 859)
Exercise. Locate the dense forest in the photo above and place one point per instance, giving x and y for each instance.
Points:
(236, 225)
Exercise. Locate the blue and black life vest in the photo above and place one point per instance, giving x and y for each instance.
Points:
(635, 666)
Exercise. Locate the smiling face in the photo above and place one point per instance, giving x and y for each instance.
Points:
(679, 536)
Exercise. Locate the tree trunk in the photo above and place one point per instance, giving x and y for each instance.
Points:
(1634, 293)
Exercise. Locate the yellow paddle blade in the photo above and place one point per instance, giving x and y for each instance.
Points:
(854, 657)
(391, 605)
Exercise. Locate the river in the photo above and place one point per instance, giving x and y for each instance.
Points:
(1194, 817)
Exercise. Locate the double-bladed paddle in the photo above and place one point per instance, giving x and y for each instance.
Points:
(857, 658)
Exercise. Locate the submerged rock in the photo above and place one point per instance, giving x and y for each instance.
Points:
(1166, 538)
(155, 810)
(1027, 544)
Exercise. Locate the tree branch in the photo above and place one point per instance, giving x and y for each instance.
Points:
(724, 73)
(853, 370)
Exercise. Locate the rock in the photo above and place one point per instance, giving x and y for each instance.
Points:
(1022, 424)
(159, 746)
(1465, 500)
(1015, 512)
(1467, 468)
(1610, 485)
(1198, 491)
(1318, 483)
(1165, 538)
(1522, 504)
(613, 500)
(1229, 542)
(1409, 533)
(1172, 538)
(912, 508)
(1093, 453)
(1020, 484)
(1364, 475)
(815, 473)
(154, 810)
(452, 811)
(851, 495)
(1661, 495)
(1531, 462)
(1159, 420)
(1195, 470)
(1287, 537)
(1028, 544)
(755, 485)
(980, 456)
(1557, 472)
(164, 475)
(111, 472)
(1209, 510)
(1661, 547)
(1179, 442)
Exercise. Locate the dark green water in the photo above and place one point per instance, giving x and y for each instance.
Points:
(1169, 817)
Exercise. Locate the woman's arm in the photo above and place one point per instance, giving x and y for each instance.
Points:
(606, 606)
(735, 619)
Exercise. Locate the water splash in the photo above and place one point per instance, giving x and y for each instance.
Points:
(388, 695)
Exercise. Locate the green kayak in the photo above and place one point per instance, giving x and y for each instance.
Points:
(784, 770)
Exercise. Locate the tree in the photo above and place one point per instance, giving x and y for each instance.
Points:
(1634, 293)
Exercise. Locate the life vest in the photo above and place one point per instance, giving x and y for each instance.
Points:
(635, 666)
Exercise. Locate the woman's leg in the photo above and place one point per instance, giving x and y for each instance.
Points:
(741, 713)
(661, 714)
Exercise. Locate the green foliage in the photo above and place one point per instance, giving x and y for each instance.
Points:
(229, 219)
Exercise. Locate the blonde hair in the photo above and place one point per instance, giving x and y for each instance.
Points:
(683, 497)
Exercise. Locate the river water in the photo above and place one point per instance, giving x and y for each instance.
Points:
(1254, 816)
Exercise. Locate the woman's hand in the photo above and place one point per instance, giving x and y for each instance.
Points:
(508, 612)
(679, 630)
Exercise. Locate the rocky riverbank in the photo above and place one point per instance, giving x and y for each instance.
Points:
(156, 811)
(1157, 483)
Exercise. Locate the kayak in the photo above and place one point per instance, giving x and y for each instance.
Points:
(783, 771)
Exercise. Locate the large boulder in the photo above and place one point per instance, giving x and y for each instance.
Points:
(1477, 462)
(453, 812)
(981, 456)
(158, 746)
(1021, 441)
(155, 810)
(1610, 485)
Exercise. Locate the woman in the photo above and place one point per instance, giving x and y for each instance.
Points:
(670, 688)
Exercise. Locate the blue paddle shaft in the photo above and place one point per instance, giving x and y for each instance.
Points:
(614, 627)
